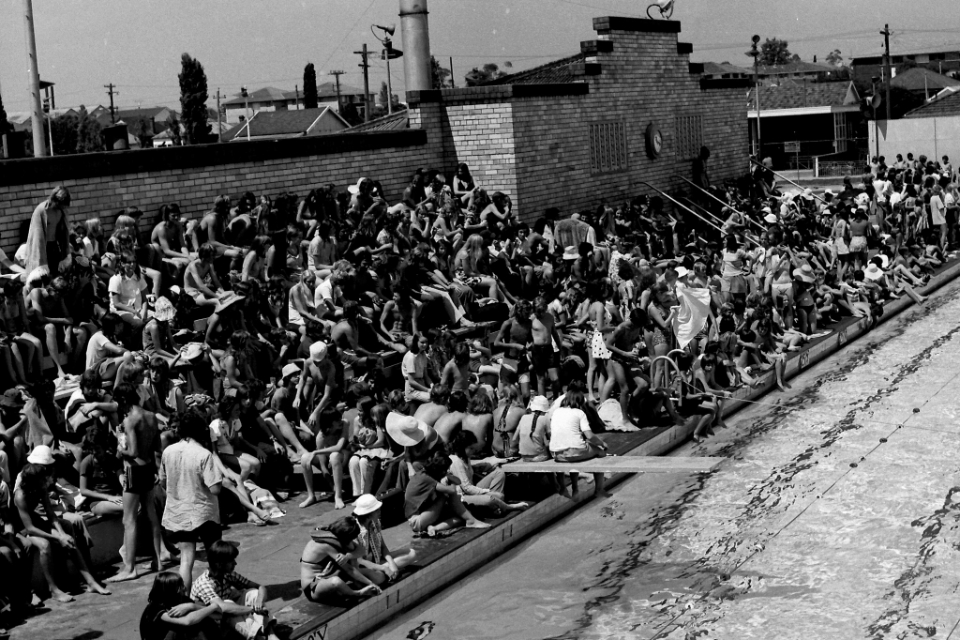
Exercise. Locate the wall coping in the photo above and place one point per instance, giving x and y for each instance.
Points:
(641, 25)
(110, 163)
(496, 93)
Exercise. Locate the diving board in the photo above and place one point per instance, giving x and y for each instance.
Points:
(619, 464)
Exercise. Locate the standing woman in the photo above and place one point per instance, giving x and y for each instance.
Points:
(840, 237)
(938, 213)
(733, 277)
(951, 199)
(48, 238)
(858, 238)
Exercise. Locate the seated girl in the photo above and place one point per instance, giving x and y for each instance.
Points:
(329, 573)
(432, 507)
(488, 493)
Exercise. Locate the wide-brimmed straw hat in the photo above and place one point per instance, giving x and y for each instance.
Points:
(366, 504)
(228, 301)
(872, 272)
(407, 431)
(805, 273)
(355, 188)
(570, 253)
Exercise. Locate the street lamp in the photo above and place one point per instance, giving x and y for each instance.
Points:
(755, 54)
(246, 109)
(388, 54)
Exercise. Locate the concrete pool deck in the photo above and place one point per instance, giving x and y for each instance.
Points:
(835, 515)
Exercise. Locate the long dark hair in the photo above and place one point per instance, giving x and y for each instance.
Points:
(462, 441)
(97, 443)
(167, 589)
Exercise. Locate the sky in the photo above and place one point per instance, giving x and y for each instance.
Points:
(136, 44)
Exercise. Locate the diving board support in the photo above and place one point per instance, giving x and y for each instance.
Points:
(620, 464)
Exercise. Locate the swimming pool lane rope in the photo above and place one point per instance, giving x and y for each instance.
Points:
(853, 465)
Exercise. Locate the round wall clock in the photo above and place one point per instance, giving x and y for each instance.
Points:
(654, 140)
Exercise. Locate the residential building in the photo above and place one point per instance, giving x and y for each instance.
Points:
(266, 125)
(923, 82)
(156, 117)
(944, 60)
(932, 129)
(273, 99)
(802, 119)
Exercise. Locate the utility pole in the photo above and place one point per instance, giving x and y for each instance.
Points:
(453, 83)
(111, 93)
(47, 110)
(366, 81)
(219, 118)
(886, 63)
(36, 110)
(337, 73)
(296, 104)
(755, 54)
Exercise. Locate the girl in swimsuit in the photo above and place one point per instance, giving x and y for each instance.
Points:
(328, 566)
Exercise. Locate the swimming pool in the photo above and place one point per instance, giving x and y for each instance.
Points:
(836, 515)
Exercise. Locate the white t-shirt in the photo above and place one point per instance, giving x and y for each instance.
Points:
(130, 291)
(324, 292)
(95, 349)
(566, 429)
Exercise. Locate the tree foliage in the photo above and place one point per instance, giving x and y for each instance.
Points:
(380, 108)
(486, 73)
(174, 127)
(441, 75)
(774, 53)
(143, 130)
(64, 129)
(835, 58)
(193, 100)
(310, 87)
(88, 133)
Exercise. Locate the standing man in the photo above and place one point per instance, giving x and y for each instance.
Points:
(545, 336)
(139, 448)
(48, 238)
(192, 482)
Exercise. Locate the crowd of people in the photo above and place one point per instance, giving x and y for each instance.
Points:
(217, 354)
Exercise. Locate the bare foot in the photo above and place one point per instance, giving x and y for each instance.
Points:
(98, 588)
(519, 506)
(603, 494)
(61, 596)
(311, 500)
(338, 503)
(780, 385)
(476, 524)
(123, 576)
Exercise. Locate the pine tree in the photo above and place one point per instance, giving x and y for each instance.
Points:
(309, 87)
(173, 126)
(88, 133)
(193, 101)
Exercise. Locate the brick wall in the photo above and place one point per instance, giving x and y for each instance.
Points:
(643, 80)
(102, 184)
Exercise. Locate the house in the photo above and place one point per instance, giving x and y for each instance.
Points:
(942, 60)
(795, 70)
(156, 117)
(921, 81)
(273, 99)
(392, 122)
(802, 119)
(272, 125)
(932, 129)
(725, 70)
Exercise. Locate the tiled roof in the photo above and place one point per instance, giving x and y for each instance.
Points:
(724, 69)
(132, 115)
(398, 120)
(920, 79)
(796, 67)
(281, 123)
(948, 105)
(266, 94)
(790, 94)
(557, 72)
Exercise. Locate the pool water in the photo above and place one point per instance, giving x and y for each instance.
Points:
(835, 516)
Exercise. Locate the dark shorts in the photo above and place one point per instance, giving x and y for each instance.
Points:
(140, 479)
(541, 356)
(588, 452)
(207, 533)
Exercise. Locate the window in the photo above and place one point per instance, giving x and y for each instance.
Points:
(608, 147)
(841, 132)
(689, 137)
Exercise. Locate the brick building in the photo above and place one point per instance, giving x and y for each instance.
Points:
(628, 108)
